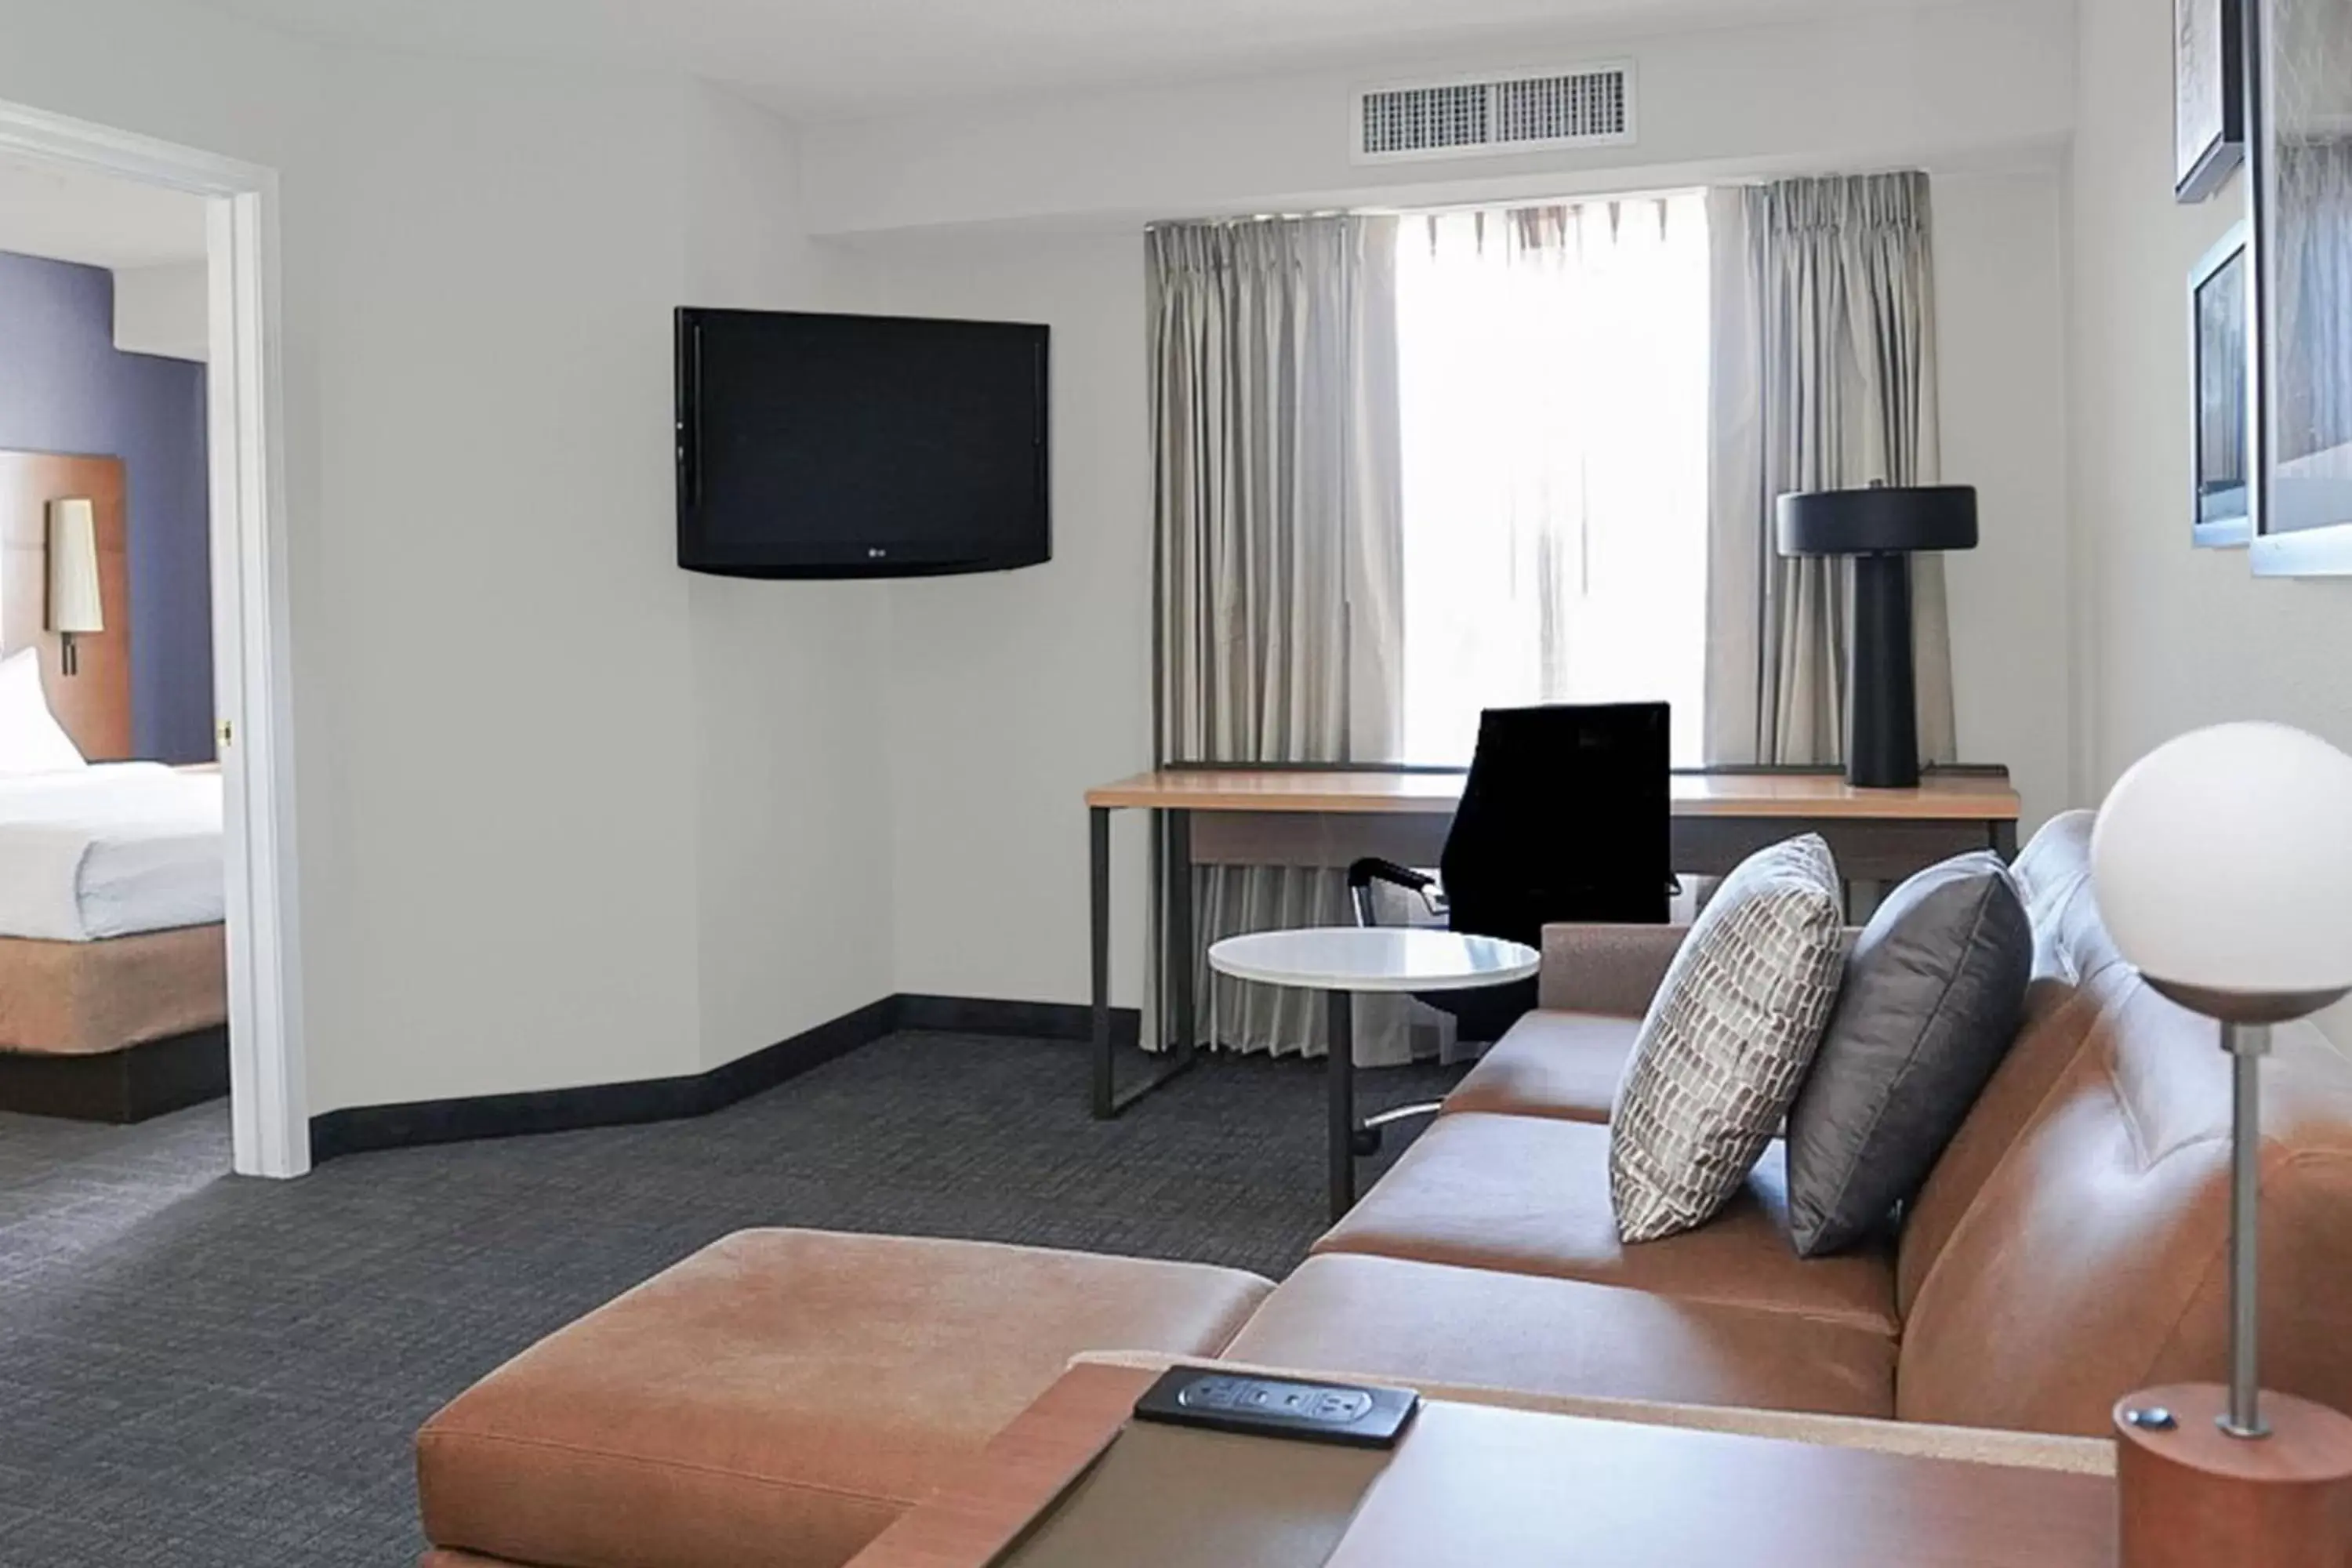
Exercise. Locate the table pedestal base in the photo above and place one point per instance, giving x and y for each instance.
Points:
(2192, 1496)
(1339, 1079)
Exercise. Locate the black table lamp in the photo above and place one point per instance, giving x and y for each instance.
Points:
(1880, 527)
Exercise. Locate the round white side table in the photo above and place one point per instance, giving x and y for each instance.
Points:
(1340, 961)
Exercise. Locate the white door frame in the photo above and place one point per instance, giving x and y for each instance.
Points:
(269, 1109)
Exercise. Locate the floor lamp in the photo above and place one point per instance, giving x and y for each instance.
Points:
(2222, 862)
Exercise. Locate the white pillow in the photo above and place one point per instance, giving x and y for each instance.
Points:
(31, 739)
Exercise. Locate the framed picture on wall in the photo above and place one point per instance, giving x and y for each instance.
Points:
(2301, 145)
(2221, 314)
(2209, 84)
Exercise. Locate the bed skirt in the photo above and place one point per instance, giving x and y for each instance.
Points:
(116, 1030)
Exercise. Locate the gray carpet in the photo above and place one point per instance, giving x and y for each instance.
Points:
(198, 1369)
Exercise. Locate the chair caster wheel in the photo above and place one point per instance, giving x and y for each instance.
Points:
(1364, 1142)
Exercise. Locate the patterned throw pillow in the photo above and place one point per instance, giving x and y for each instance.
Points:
(1728, 1040)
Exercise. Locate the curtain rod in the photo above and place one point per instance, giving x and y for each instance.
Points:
(1440, 209)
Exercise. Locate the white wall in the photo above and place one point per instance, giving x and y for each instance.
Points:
(794, 847)
(2177, 638)
(550, 788)
(497, 605)
(2172, 638)
(163, 310)
(1846, 91)
(2000, 333)
(1010, 693)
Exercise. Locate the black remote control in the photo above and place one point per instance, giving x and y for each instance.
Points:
(1356, 1418)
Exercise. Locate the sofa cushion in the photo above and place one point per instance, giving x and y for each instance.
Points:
(1529, 1194)
(781, 1395)
(1428, 1322)
(1728, 1040)
(1931, 1000)
(2093, 1260)
(1552, 1064)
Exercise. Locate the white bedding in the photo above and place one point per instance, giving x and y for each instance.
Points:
(109, 850)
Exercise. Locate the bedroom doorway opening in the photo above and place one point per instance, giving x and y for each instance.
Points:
(221, 306)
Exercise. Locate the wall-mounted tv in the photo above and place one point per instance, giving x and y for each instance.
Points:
(826, 446)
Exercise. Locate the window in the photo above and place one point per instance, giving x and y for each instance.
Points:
(1553, 392)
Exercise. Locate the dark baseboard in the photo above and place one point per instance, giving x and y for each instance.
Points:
(129, 1085)
(1030, 1020)
(365, 1127)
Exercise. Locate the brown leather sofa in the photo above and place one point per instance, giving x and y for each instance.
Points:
(2068, 1247)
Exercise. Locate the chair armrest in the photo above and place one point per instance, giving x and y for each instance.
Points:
(1372, 869)
(1608, 969)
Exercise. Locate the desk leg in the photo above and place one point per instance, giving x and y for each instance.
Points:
(2004, 837)
(1099, 871)
(1181, 939)
(1339, 1076)
(1107, 1099)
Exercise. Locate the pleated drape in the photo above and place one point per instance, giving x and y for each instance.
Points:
(1278, 557)
(1824, 377)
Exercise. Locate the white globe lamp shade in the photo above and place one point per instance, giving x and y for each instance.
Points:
(2222, 862)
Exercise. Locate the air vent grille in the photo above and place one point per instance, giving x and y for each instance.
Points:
(1590, 106)
(1426, 119)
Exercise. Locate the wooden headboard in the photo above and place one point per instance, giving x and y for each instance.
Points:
(94, 706)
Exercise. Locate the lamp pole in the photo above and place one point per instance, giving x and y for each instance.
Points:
(2247, 1045)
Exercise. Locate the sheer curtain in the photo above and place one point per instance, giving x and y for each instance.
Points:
(1274, 410)
(1553, 368)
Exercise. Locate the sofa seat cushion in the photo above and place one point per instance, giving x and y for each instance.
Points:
(1529, 1194)
(1429, 1322)
(781, 1395)
(1552, 1064)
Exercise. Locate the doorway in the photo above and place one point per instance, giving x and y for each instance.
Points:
(250, 646)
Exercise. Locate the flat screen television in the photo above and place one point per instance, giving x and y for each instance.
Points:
(826, 446)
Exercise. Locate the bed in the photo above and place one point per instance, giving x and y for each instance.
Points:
(113, 965)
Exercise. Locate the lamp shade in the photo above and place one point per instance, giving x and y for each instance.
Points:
(1883, 520)
(75, 605)
(2222, 862)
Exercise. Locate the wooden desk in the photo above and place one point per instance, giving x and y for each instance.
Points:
(1487, 1486)
(1332, 815)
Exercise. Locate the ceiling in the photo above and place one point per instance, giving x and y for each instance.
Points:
(71, 214)
(848, 58)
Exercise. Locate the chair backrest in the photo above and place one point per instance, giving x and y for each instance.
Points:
(1565, 816)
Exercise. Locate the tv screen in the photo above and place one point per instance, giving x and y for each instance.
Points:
(821, 446)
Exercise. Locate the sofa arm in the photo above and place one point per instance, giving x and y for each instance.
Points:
(1609, 969)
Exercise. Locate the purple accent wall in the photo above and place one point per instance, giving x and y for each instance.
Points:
(64, 388)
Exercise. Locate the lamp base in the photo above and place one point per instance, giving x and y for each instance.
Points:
(2192, 1496)
(1881, 747)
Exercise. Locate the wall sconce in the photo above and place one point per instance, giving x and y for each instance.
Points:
(75, 606)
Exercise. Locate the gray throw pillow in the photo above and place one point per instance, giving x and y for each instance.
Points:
(1727, 1041)
(1933, 995)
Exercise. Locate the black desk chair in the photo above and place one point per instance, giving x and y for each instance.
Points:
(1565, 816)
